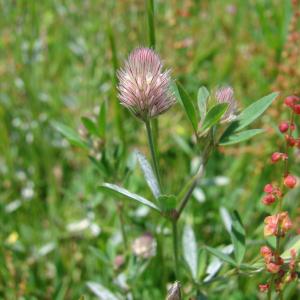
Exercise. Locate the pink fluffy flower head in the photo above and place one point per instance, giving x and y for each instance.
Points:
(144, 88)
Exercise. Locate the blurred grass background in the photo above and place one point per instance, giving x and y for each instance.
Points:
(56, 63)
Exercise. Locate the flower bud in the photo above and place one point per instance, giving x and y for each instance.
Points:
(265, 251)
(226, 95)
(268, 188)
(144, 246)
(268, 199)
(174, 292)
(264, 287)
(283, 126)
(276, 156)
(296, 109)
(286, 224)
(271, 225)
(119, 261)
(290, 140)
(273, 268)
(291, 100)
(292, 126)
(290, 181)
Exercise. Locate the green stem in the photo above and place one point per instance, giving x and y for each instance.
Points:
(270, 293)
(153, 152)
(175, 247)
(151, 27)
(123, 231)
(117, 106)
(281, 295)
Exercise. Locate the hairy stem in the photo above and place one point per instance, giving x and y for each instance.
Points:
(175, 248)
(153, 152)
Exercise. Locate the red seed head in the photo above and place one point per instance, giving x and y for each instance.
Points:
(276, 156)
(264, 287)
(290, 181)
(286, 224)
(290, 140)
(292, 126)
(273, 268)
(265, 251)
(268, 199)
(268, 188)
(283, 126)
(296, 109)
(291, 100)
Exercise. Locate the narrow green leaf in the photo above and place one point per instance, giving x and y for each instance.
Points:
(253, 111)
(148, 174)
(102, 121)
(187, 104)
(239, 137)
(202, 99)
(100, 291)
(202, 263)
(189, 246)
(71, 135)
(214, 115)
(238, 237)
(89, 125)
(221, 255)
(121, 193)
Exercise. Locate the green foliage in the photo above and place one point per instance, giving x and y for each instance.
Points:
(148, 174)
(190, 252)
(121, 193)
(60, 235)
(253, 111)
(202, 99)
(222, 256)
(238, 237)
(70, 135)
(186, 103)
(214, 115)
(239, 137)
